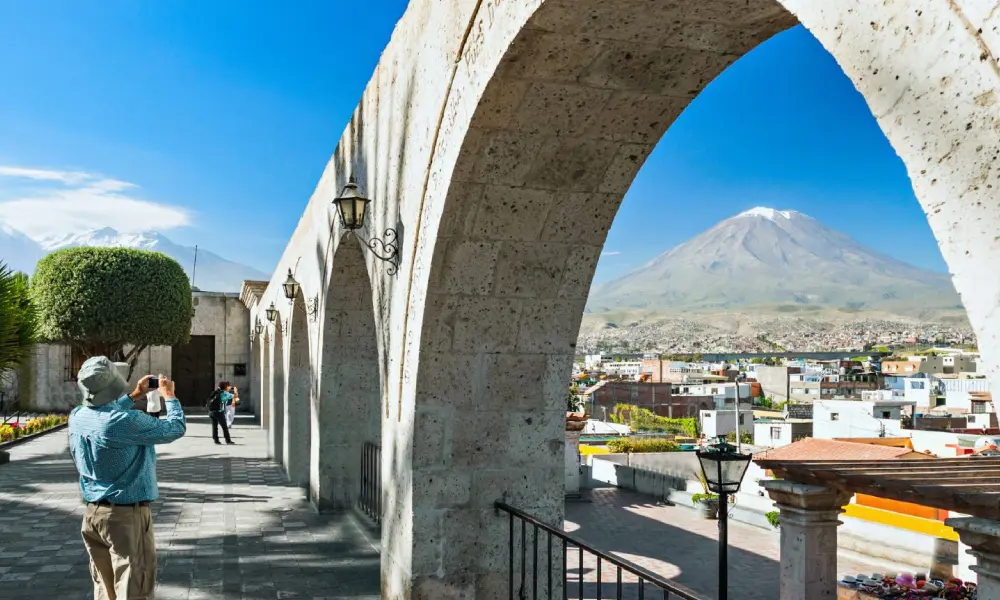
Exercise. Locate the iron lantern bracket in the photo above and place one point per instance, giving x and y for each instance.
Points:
(384, 248)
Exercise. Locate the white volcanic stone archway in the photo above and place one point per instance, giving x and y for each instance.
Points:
(498, 138)
(297, 399)
(276, 405)
(345, 411)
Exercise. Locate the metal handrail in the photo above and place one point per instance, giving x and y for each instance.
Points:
(370, 496)
(669, 590)
(11, 409)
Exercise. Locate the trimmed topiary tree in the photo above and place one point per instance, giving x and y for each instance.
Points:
(114, 302)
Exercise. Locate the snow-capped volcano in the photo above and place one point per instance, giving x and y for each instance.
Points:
(767, 256)
(18, 251)
(213, 273)
(147, 240)
(771, 214)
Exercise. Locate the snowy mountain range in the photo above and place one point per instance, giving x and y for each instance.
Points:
(214, 273)
(770, 257)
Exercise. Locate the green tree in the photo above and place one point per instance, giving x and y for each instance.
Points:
(114, 302)
(18, 320)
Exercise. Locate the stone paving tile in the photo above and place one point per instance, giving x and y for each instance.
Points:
(228, 527)
(676, 544)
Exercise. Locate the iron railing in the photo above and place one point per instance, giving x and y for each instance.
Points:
(609, 578)
(370, 496)
(10, 408)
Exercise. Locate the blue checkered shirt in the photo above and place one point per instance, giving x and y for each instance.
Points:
(112, 446)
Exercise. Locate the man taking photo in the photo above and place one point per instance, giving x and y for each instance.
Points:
(113, 449)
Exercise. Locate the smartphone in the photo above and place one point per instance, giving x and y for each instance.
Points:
(154, 383)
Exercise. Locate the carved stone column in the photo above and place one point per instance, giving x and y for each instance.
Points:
(983, 538)
(808, 538)
(572, 463)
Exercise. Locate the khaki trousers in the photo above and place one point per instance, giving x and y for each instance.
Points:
(119, 540)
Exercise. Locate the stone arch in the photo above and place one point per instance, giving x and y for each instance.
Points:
(561, 102)
(276, 421)
(298, 393)
(346, 409)
(263, 361)
(256, 385)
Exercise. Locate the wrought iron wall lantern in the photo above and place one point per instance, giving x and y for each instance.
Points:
(291, 287)
(353, 207)
(259, 327)
(271, 313)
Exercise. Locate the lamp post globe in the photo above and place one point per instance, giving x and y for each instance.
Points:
(723, 468)
(352, 206)
(290, 287)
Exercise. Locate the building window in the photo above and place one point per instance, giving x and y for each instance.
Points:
(776, 433)
(886, 414)
(240, 369)
(834, 416)
(939, 401)
(979, 408)
(917, 385)
(74, 361)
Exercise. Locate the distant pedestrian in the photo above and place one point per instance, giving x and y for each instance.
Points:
(217, 411)
(234, 401)
(113, 449)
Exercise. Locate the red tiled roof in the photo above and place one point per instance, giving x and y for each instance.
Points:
(812, 449)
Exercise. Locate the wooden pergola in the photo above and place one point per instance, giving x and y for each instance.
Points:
(969, 485)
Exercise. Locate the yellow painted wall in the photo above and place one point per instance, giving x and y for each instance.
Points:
(908, 522)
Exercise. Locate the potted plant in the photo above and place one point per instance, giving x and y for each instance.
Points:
(707, 502)
(576, 419)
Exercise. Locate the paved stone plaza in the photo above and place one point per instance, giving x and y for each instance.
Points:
(228, 527)
(674, 543)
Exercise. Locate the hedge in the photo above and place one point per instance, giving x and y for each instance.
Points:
(643, 419)
(102, 299)
(637, 444)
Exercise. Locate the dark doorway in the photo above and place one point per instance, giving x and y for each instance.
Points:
(192, 366)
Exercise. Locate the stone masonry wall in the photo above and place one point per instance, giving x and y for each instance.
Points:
(498, 137)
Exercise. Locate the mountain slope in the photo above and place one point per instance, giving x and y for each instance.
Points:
(766, 257)
(17, 250)
(214, 273)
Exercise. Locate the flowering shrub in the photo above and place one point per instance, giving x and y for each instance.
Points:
(11, 431)
(635, 445)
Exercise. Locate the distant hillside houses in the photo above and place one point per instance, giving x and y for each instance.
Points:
(939, 390)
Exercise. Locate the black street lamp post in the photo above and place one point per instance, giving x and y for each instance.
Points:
(723, 467)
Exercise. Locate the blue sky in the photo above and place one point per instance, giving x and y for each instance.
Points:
(212, 122)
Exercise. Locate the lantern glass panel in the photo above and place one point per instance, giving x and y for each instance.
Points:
(733, 471)
(724, 471)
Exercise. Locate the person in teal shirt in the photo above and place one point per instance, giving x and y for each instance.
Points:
(217, 411)
(112, 446)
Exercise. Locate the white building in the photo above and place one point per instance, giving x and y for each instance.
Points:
(593, 361)
(773, 433)
(623, 368)
(921, 389)
(219, 349)
(858, 418)
(721, 422)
